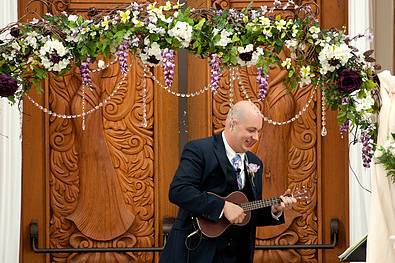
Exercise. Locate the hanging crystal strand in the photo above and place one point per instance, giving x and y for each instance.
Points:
(323, 114)
(144, 95)
(83, 107)
(242, 87)
(231, 85)
(262, 84)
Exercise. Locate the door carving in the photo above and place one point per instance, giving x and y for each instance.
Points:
(105, 184)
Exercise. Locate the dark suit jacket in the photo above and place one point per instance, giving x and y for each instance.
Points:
(204, 167)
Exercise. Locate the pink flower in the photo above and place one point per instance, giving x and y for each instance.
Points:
(253, 168)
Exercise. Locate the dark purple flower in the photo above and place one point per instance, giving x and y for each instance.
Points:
(14, 32)
(348, 81)
(334, 62)
(246, 56)
(55, 58)
(92, 12)
(152, 59)
(8, 85)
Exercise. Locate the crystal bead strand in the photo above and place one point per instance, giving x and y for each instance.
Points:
(232, 78)
(182, 95)
(144, 123)
(297, 116)
(101, 104)
(105, 66)
(83, 107)
(323, 114)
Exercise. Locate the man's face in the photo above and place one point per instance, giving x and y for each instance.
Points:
(246, 133)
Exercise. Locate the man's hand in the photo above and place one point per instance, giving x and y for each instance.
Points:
(287, 201)
(234, 213)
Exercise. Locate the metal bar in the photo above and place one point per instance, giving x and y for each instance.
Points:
(34, 244)
(334, 227)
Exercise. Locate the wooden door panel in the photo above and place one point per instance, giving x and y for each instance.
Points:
(106, 186)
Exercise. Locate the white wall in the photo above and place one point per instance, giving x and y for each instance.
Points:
(10, 163)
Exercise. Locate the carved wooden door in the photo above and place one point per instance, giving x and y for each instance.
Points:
(105, 184)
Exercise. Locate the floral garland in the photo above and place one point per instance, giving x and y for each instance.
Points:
(228, 38)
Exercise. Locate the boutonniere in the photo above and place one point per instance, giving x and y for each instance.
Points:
(252, 168)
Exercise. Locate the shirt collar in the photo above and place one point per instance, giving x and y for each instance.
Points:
(230, 153)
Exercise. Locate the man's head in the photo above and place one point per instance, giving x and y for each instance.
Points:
(243, 125)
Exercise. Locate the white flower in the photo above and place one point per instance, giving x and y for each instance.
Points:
(34, 21)
(314, 31)
(286, 63)
(167, 7)
(254, 55)
(151, 53)
(52, 51)
(362, 104)
(305, 74)
(31, 39)
(295, 30)
(291, 44)
(339, 53)
(280, 25)
(72, 18)
(265, 21)
(225, 39)
(182, 31)
(101, 64)
(16, 46)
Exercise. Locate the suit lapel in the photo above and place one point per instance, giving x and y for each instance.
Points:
(227, 168)
(250, 177)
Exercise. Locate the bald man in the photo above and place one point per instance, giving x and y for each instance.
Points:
(219, 164)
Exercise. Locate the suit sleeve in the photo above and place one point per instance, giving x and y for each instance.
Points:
(185, 189)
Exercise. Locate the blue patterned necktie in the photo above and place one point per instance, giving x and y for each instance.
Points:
(237, 164)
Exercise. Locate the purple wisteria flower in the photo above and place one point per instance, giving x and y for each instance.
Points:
(215, 64)
(168, 56)
(349, 81)
(367, 148)
(262, 84)
(85, 74)
(345, 126)
(123, 53)
(8, 85)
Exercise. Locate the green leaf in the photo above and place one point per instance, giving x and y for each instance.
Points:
(199, 25)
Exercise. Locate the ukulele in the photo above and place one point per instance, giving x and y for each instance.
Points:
(215, 229)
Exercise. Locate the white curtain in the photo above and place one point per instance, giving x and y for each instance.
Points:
(10, 162)
(360, 22)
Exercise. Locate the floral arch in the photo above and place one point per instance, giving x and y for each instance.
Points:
(227, 38)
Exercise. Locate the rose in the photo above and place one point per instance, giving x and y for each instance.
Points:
(253, 168)
(8, 85)
(349, 81)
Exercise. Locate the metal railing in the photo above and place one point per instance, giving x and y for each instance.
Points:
(334, 230)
